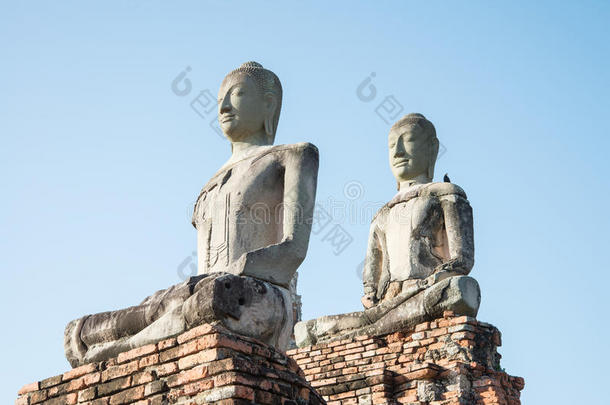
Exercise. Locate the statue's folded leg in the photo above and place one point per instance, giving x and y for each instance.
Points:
(170, 324)
(326, 327)
(93, 337)
(460, 294)
(241, 304)
(101, 329)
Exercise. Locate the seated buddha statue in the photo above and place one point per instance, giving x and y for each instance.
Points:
(420, 248)
(253, 220)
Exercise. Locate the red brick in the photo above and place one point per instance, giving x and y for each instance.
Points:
(79, 371)
(87, 394)
(220, 340)
(91, 379)
(120, 370)
(188, 376)
(422, 327)
(167, 344)
(166, 369)
(178, 351)
(201, 330)
(23, 400)
(50, 382)
(127, 396)
(201, 357)
(148, 360)
(142, 378)
(135, 353)
(38, 396)
(28, 388)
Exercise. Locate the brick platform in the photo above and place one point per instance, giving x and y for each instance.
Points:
(202, 366)
(452, 360)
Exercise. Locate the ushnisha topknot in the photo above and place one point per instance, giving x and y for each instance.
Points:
(416, 119)
(265, 78)
(267, 81)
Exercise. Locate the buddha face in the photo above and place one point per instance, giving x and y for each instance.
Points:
(410, 151)
(241, 107)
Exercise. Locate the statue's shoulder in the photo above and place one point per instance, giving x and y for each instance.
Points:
(301, 148)
(295, 151)
(441, 189)
(381, 215)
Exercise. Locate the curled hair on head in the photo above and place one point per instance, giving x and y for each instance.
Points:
(416, 119)
(268, 82)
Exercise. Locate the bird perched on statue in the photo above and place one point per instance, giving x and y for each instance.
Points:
(446, 178)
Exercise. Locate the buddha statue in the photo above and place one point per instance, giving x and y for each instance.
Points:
(253, 220)
(420, 248)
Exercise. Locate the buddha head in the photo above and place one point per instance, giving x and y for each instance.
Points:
(413, 148)
(249, 103)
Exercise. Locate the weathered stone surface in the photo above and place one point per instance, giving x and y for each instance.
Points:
(459, 294)
(253, 221)
(420, 248)
(242, 304)
(254, 216)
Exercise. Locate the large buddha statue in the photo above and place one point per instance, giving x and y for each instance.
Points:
(253, 221)
(420, 247)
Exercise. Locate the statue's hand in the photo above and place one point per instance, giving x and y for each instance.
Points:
(270, 263)
(453, 266)
(436, 277)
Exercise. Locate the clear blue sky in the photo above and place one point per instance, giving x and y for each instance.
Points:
(100, 161)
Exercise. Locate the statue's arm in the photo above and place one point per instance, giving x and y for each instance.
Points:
(278, 263)
(459, 227)
(372, 268)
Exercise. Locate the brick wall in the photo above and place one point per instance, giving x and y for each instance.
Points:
(449, 361)
(452, 360)
(202, 366)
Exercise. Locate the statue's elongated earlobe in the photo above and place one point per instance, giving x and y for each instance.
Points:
(269, 126)
(433, 155)
(271, 106)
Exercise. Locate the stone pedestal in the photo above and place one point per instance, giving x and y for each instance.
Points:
(452, 360)
(205, 365)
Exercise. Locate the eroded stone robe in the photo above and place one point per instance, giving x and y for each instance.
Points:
(424, 228)
(259, 203)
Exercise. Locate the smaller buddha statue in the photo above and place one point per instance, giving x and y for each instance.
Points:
(420, 247)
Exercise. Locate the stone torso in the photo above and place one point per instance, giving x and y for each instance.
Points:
(411, 234)
(240, 209)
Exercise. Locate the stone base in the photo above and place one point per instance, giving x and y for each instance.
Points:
(452, 360)
(206, 365)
